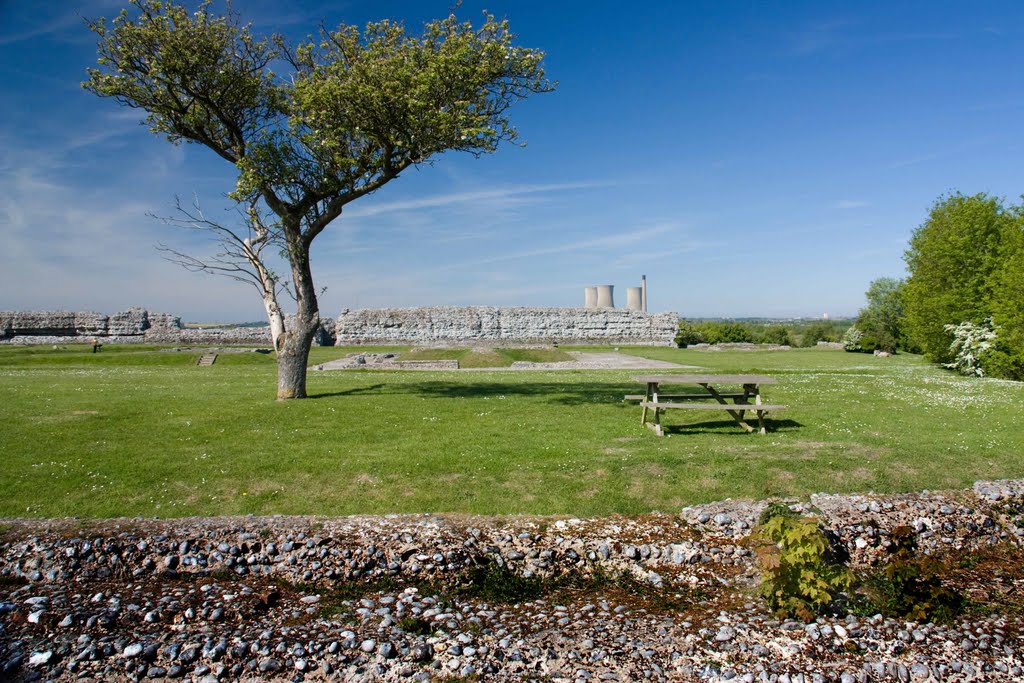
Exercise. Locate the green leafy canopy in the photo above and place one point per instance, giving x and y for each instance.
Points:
(354, 110)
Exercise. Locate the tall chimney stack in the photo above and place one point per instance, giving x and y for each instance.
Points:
(643, 293)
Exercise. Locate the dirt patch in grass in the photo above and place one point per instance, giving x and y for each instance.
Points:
(783, 475)
(867, 452)
(862, 474)
(705, 483)
(652, 470)
(904, 469)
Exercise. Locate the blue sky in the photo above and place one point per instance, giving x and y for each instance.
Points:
(749, 158)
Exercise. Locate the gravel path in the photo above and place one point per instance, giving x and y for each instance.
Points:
(380, 598)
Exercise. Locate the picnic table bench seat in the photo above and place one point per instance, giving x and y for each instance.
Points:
(758, 407)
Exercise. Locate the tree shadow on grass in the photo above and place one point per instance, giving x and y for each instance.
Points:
(582, 393)
(727, 426)
(354, 391)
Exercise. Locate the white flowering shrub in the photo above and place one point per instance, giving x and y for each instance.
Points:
(970, 342)
(851, 340)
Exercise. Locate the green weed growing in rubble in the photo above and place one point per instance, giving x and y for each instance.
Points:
(800, 575)
(910, 585)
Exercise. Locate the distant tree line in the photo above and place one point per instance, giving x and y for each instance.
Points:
(803, 333)
(961, 305)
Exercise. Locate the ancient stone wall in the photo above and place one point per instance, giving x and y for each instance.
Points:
(52, 323)
(44, 327)
(454, 325)
(136, 325)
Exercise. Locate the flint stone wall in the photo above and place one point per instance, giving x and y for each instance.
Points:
(136, 325)
(46, 326)
(448, 324)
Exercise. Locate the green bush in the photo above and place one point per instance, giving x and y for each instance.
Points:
(852, 340)
(775, 509)
(688, 335)
(715, 332)
(800, 574)
(869, 342)
(773, 334)
(883, 316)
(1004, 363)
(818, 331)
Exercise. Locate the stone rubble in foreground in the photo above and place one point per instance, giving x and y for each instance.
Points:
(249, 599)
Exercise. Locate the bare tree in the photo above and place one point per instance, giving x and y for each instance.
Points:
(241, 256)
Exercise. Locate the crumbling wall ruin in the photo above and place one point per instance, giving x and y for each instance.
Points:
(432, 325)
(454, 325)
(136, 325)
(44, 327)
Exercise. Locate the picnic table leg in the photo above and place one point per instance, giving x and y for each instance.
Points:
(736, 414)
(756, 390)
(652, 392)
(657, 413)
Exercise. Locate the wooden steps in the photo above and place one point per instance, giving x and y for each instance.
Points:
(207, 359)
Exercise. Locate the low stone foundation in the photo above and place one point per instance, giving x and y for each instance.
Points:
(458, 325)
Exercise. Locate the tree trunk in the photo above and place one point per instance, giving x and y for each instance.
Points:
(292, 359)
(275, 317)
(297, 336)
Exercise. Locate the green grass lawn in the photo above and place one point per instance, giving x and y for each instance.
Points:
(139, 431)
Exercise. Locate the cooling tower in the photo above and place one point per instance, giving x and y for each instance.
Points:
(634, 299)
(605, 297)
(590, 297)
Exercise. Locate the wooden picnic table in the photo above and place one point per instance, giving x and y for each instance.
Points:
(711, 398)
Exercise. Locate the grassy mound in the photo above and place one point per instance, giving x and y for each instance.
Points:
(489, 358)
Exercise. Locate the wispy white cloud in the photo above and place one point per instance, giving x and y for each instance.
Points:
(69, 245)
(850, 204)
(55, 20)
(913, 161)
(603, 242)
(651, 256)
(378, 208)
(54, 25)
(818, 37)
(845, 33)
